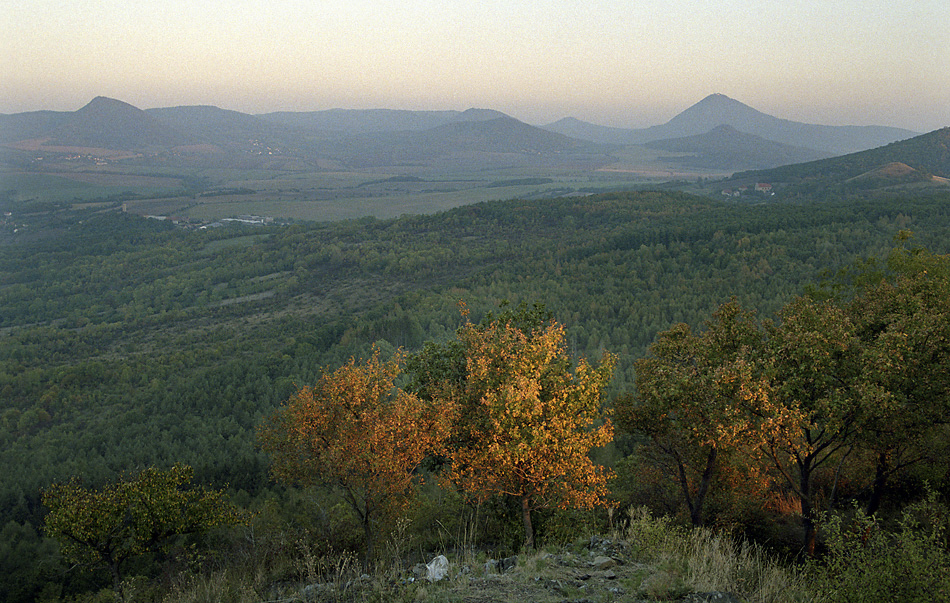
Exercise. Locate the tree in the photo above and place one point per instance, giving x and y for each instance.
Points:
(812, 362)
(356, 431)
(131, 517)
(526, 421)
(902, 319)
(698, 395)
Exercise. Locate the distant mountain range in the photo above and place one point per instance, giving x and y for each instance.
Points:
(358, 139)
(718, 109)
(717, 133)
(355, 121)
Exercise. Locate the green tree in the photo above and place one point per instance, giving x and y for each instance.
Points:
(698, 395)
(902, 319)
(812, 362)
(131, 517)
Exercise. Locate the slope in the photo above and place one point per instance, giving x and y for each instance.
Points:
(927, 156)
(726, 148)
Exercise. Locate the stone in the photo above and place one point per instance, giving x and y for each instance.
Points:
(502, 565)
(603, 563)
(437, 569)
(711, 597)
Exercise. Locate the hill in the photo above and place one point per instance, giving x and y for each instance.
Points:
(718, 109)
(33, 124)
(207, 136)
(576, 128)
(221, 126)
(925, 160)
(111, 124)
(499, 141)
(356, 121)
(726, 148)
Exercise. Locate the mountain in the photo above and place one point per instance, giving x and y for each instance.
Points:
(725, 148)
(207, 136)
(111, 124)
(576, 128)
(357, 121)
(218, 126)
(502, 140)
(718, 109)
(922, 159)
(32, 124)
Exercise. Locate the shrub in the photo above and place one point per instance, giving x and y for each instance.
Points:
(867, 562)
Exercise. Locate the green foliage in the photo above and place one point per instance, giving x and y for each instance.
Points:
(131, 517)
(868, 562)
(697, 396)
(126, 343)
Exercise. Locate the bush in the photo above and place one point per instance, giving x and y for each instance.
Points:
(867, 562)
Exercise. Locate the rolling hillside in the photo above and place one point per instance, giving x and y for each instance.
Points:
(925, 160)
(202, 136)
(726, 148)
(354, 121)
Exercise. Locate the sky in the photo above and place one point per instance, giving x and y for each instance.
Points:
(620, 63)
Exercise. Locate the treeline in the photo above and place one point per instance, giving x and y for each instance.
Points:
(127, 343)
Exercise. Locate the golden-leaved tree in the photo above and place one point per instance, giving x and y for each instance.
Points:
(526, 420)
(356, 431)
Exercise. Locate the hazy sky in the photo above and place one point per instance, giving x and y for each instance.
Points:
(613, 62)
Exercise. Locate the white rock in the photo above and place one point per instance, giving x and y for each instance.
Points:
(437, 569)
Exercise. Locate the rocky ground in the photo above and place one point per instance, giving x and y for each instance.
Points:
(598, 571)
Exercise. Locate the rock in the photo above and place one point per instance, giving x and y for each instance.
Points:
(419, 571)
(313, 592)
(503, 565)
(711, 597)
(603, 563)
(437, 569)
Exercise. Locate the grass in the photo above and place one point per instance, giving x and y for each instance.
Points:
(307, 195)
(659, 561)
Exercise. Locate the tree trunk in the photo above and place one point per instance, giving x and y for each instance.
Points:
(116, 581)
(697, 517)
(695, 503)
(526, 517)
(880, 481)
(370, 539)
(808, 511)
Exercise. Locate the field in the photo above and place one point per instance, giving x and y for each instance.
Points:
(318, 194)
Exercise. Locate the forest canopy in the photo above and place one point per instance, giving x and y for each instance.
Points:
(126, 343)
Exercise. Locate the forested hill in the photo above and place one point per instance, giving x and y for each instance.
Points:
(126, 343)
(925, 159)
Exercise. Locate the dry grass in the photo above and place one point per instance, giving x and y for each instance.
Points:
(658, 560)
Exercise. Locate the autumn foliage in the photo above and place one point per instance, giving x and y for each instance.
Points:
(527, 420)
(356, 431)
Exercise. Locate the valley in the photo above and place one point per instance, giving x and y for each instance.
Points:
(285, 248)
(206, 163)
